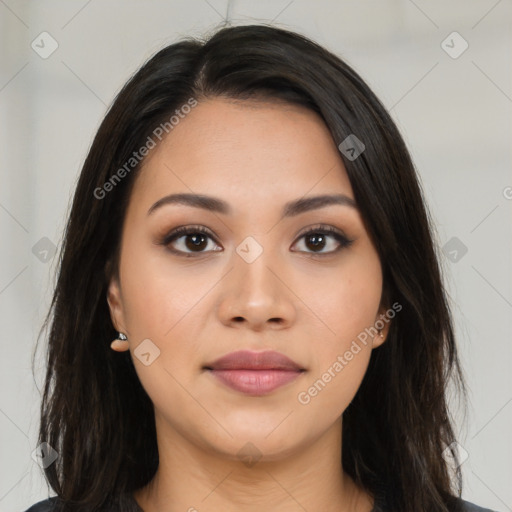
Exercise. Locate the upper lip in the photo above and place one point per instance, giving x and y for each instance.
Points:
(248, 360)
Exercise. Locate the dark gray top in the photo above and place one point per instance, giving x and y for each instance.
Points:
(47, 506)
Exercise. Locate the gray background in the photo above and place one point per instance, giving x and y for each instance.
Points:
(454, 113)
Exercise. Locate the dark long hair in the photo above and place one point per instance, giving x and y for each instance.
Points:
(94, 410)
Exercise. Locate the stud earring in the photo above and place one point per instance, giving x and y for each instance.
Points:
(120, 344)
(380, 333)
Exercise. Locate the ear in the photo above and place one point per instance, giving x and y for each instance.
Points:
(382, 318)
(115, 304)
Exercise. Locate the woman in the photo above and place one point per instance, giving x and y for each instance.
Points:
(249, 221)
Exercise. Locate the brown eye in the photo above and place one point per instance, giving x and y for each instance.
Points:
(195, 241)
(318, 239)
(188, 240)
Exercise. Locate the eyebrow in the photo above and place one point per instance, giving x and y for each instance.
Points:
(290, 209)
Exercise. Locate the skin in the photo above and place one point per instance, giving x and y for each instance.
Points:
(256, 156)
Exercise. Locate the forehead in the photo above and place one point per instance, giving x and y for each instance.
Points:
(245, 150)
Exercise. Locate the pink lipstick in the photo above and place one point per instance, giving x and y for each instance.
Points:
(254, 373)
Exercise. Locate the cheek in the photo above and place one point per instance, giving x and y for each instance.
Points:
(160, 294)
(328, 393)
(347, 305)
(345, 299)
(159, 303)
(168, 304)
(340, 360)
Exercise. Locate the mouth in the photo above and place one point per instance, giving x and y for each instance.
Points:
(254, 373)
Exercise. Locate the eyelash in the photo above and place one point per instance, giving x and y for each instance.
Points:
(192, 230)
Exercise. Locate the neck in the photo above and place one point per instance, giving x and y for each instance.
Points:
(191, 478)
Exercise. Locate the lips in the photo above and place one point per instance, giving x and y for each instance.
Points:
(247, 360)
(254, 373)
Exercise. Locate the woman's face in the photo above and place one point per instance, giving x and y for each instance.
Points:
(251, 282)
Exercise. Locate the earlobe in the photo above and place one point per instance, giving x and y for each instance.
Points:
(379, 338)
(382, 325)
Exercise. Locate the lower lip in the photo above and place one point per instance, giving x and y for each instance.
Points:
(255, 382)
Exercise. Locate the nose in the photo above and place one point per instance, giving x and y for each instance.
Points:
(257, 295)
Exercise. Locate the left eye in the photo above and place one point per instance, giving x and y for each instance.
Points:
(317, 239)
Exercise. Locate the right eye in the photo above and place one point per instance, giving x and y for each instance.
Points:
(195, 237)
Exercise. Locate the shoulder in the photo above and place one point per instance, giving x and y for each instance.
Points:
(43, 506)
(466, 506)
(458, 505)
